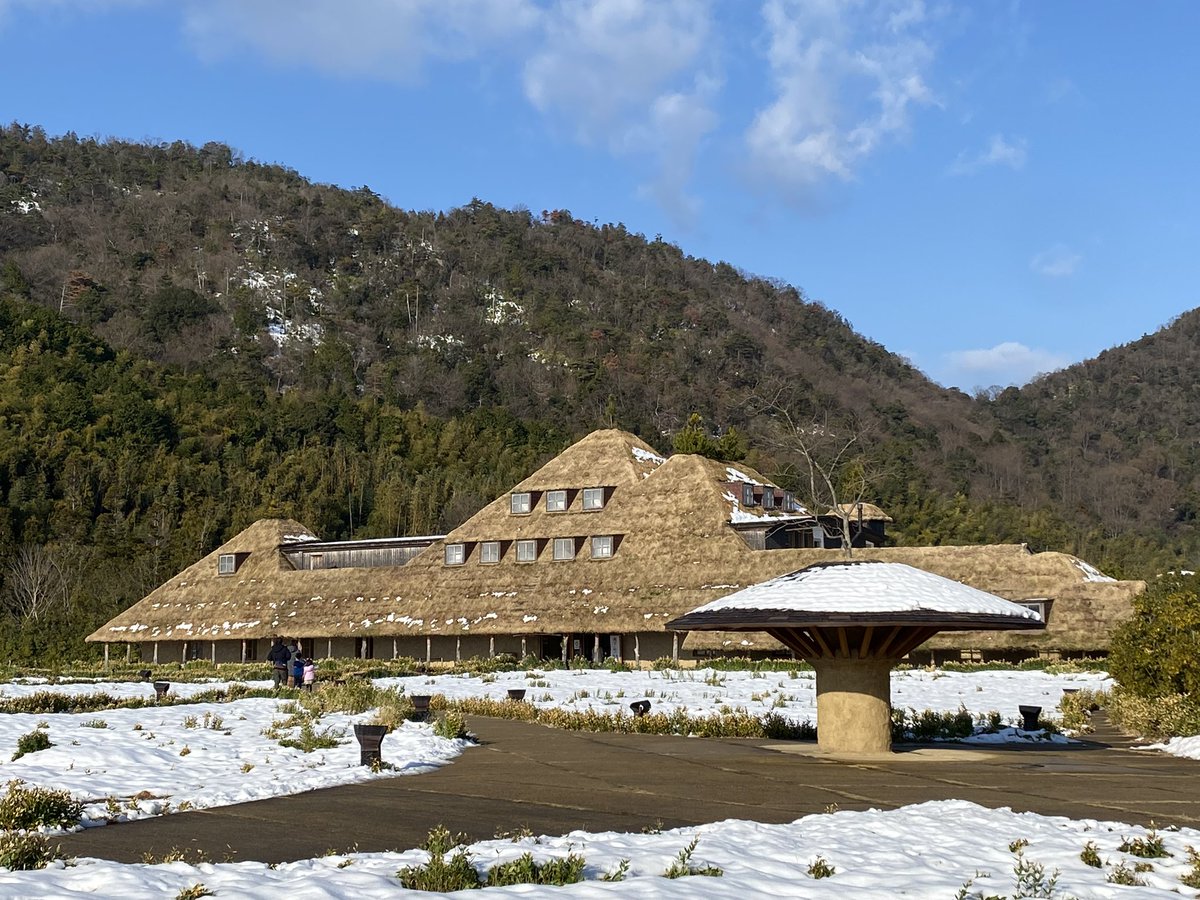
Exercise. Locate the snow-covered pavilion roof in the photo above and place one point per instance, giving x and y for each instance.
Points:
(852, 592)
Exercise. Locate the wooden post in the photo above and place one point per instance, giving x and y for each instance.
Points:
(106, 654)
(523, 653)
(329, 648)
(428, 650)
(183, 655)
(156, 653)
(128, 652)
(566, 645)
(491, 646)
(394, 653)
(243, 649)
(637, 650)
(458, 649)
(596, 649)
(214, 652)
(675, 646)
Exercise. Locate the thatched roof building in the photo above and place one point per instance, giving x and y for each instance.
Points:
(591, 554)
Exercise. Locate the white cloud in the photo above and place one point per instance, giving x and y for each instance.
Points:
(386, 39)
(1057, 262)
(1004, 364)
(998, 152)
(634, 76)
(846, 76)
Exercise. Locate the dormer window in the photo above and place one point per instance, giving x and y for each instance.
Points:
(489, 552)
(556, 501)
(226, 563)
(593, 498)
(768, 498)
(520, 504)
(747, 495)
(526, 551)
(564, 548)
(789, 501)
(602, 546)
(455, 554)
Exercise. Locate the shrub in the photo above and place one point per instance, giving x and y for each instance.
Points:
(309, 739)
(24, 851)
(31, 807)
(1153, 654)
(1090, 856)
(439, 875)
(451, 725)
(32, 743)
(523, 870)
(821, 868)
(1155, 717)
(1149, 847)
(682, 866)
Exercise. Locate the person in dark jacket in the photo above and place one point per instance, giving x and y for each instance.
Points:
(279, 656)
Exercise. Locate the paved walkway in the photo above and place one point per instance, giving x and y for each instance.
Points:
(552, 782)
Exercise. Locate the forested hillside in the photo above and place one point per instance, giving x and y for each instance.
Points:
(189, 341)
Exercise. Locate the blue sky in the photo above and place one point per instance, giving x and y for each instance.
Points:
(992, 189)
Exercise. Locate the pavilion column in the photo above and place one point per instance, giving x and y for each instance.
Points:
(128, 652)
(214, 653)
(675, 646)
(596, 649)
(458, 649)
(566, 647)
(428, 650)
(106, 654)
(183, 655)
(395, 649)
(243, 649)
(156, 653)
(491, 646)
(854, 710)
(329, 648)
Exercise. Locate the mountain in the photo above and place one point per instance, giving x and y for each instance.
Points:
(190, 341)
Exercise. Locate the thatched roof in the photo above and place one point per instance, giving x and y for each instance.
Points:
(868, 512)
(675, 548)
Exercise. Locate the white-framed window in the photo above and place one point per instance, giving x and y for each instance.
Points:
(556, 501)
(1038, 606)
(226, 564)
(602, 546)
(489, 552)
(521, 503)
(593, 498)
(455, 554)
(526, 551)
(564, 548)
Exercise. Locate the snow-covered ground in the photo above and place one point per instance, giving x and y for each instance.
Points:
(923, 851)
(158, 759)
(131, 763)
(704, 691)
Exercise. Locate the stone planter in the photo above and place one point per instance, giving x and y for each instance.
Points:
(420, 706)
(517, 694)
(1030, 714)
(370, 737)
(160, 689)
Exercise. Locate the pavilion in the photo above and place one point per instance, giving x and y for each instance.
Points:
(854, 621)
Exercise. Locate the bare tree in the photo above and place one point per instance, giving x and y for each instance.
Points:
(832, 453)
(37, 583)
